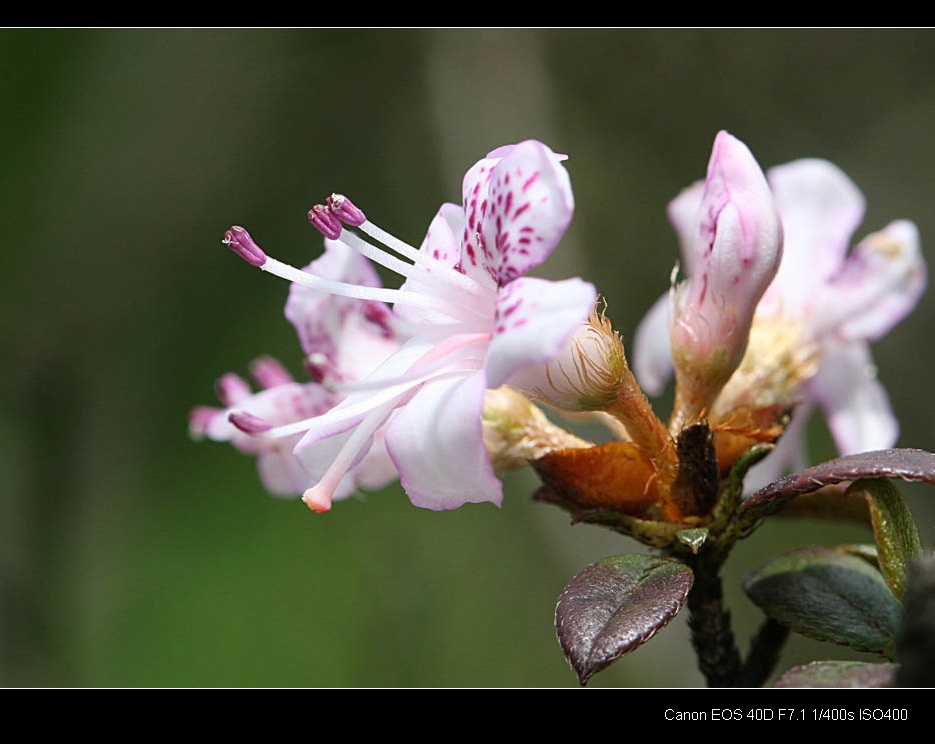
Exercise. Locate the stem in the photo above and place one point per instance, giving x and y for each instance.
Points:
(764, 652)
(709, 621)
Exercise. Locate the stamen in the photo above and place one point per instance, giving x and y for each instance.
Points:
(325, 221)
(358, 291)
(240, 242)
(350, 214)
(460, 292)
(318, 497)
(436, 364)
(248, 423)
(345, 210)
(443, 271)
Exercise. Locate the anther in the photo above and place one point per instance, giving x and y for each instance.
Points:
(345, 210)
(240, 242)
(248, 423)
(325, 222)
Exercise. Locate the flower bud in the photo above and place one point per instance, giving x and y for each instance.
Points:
(732, 244)
(586, 376)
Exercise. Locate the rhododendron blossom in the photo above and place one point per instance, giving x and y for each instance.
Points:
(810, 334)
(331, 331)
(469, 320)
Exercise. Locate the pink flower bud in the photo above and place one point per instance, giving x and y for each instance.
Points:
(732, 243)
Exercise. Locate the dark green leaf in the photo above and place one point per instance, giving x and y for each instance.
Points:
(906, 464)
(615, 605)
(839, 674)
(895, 530)
(830, 595)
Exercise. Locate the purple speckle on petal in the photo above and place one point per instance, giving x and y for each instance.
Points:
(531, 180)
(520, 209)
(512, 308)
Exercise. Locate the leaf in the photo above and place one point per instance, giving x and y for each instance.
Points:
(906, 464)
(839, 674)
(615, 605)
(895, 530)
(829, 595)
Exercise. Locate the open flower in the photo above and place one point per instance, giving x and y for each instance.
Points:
(332, 332)
(839, 301)
(470, 320)
(809, 338)
(281, 400)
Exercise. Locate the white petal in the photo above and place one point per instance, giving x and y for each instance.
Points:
(535, 320)
(281, 473)
(437, 445)
(652, 353)
(820, 208)
(683, 215)
(520, 206)
(855, 404)
(879, 285)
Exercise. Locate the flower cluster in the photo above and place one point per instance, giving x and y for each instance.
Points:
(408, 369)
(768, 316)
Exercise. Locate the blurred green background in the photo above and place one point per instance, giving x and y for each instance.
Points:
(131, 556)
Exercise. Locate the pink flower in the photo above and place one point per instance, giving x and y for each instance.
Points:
(842, 301)
(809, 340)
(731, 241)
(470, 320)
(331, 332)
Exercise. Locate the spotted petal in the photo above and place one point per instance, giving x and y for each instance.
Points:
(535, 319)
(517, 208)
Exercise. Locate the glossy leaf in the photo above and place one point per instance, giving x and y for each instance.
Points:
(615, 605)
(831, 595)
(839, 674)
(905, 464)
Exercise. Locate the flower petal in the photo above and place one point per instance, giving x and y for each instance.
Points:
(535, 319)
(683, 216)
(820, 208)
(652, 351)
(854, 402)
(441, 243)
(879, 285)
(437, 445)
(332, 330)
(517, 209)
(281, 473)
